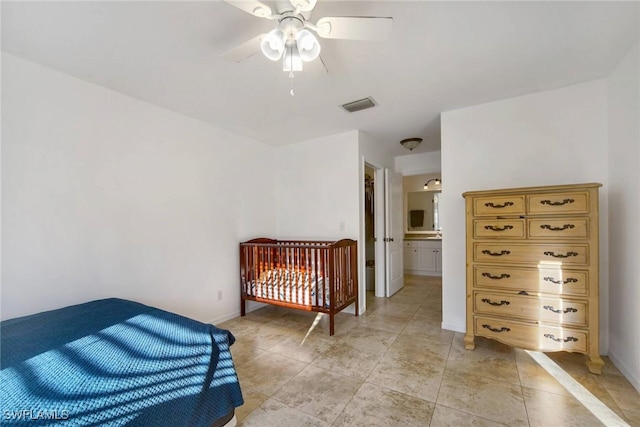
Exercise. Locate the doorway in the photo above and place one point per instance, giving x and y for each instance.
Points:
(381, 231)
(370, 227)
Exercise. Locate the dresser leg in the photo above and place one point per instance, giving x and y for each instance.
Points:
(469, 342)
(595, 364)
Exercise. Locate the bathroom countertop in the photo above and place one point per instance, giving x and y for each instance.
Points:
(422, 238)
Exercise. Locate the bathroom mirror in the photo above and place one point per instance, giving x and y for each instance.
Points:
(422, 212)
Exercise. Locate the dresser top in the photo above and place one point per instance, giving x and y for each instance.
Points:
(541, 189)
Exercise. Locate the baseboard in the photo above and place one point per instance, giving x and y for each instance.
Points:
(453, 327)
(423, 273)
(224, 318)
(351, 309)
(624, 369)
(252, 306)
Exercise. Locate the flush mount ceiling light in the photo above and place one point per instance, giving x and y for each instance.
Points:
(436, 181)
(410, 143)
(292, 41)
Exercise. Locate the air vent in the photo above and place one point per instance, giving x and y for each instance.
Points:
(361, 104)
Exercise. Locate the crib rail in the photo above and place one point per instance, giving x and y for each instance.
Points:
(317, 276)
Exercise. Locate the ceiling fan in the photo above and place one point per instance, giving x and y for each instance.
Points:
(292, 41)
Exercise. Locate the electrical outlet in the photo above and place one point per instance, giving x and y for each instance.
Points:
(343, 225)
(220, 295)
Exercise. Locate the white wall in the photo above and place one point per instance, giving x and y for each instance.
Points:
(552, 137)
(414, 164)
(375, 152)
(318, 191)
(318, 187)
(107, 196)
(624, 214)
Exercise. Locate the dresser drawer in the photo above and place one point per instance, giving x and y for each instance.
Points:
(555, 310)
(493, 206)
(558, 203)
(533, 337)
(558, 228)
(499, 228)
(533, 280)
(538, 254)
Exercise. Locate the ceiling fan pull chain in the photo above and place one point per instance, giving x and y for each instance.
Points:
(291, 81)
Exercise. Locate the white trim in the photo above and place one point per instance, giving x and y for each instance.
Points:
(251, 306)
(454, 327)
(624, 370)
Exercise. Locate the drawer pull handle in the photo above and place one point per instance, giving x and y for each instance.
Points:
(552, 337)
(503, 329)
(488, 252)
(551, 228)
(565, 311)
(557, 282)
(491, 205)
(523, 293)
(488, 301)
(555, 255)
(493, 228)
(502, 276)
(550, 203)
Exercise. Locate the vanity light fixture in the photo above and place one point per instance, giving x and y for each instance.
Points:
(436, 181)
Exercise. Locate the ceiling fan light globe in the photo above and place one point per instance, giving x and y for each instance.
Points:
(308, 45)
(292, 60)
(273, 44)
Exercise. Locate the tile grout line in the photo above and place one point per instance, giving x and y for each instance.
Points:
(444, 370)
(524, 401)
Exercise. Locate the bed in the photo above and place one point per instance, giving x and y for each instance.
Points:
(114, 362)
(318, 276)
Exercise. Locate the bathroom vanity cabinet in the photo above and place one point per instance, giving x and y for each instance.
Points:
(423, 257)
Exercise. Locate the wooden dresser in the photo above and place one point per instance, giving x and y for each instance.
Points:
(532, 268)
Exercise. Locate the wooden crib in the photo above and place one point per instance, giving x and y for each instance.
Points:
(308, 275)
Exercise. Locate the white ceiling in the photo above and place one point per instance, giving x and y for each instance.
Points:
(441, 56)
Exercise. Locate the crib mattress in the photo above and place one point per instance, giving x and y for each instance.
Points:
(292, 287)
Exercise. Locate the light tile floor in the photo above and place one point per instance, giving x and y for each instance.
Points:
(395, 366)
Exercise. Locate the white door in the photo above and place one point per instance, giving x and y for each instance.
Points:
(393, 232)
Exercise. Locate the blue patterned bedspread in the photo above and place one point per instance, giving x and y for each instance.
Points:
(115, 363)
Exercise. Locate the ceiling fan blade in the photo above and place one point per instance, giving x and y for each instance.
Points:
(253, 7)
(303, 5)
(244, 50)
(355, 28)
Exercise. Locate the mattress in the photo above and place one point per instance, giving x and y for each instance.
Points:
(292, 286)
(114, 362)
